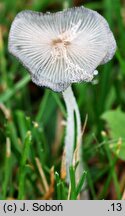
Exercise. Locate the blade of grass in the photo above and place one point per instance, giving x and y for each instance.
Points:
(59, 103)
(9, 93)
(112, 169)
(42, 106)
(90, 183)
(80, 184)
(12, 133)
(7, 169)
(42, 175)
(58, 186)
(119, 22)
(121, 61)
(3, 62)
(21, 121)
(105, 190)
(73, 183)
(22, 169)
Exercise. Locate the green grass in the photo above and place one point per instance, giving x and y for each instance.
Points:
(31, 129)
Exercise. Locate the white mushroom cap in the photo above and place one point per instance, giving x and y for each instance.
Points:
(61, 48)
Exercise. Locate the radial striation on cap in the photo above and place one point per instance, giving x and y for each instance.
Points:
(61, 48)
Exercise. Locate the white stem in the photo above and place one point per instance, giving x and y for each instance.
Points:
(78, 142)
(69, 139)
(72, 107)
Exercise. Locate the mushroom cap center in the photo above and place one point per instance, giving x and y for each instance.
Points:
(59, 48)
(59, 41)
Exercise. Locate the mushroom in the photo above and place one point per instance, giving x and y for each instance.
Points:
(59, 49)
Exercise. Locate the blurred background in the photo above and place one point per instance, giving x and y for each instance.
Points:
(32, 119)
